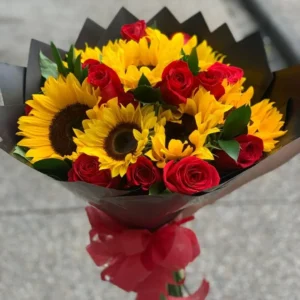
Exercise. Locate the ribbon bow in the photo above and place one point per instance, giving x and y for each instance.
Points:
(139, 260)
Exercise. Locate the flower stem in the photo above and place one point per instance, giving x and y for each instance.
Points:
(175, 290)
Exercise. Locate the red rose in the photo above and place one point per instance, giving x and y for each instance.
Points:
(177, 83)
(212, 80)
(102, 76)
(186, 37)
(134, 31)
(143, 173)
(251, 150)
(126, 98)
(90, 62)
(86, 168)
(190, 175)
(106, 79)
(231, 73)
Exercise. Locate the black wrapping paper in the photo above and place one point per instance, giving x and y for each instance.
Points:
(33, 75)
(89, 34)
(153, 211)
(9, 116)
(249, 54)
(221, 39)
(196, 25)
(12, 84)
(113, 30)
(285, 82)
(165, 21)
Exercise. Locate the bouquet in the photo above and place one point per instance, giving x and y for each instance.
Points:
(149, 122)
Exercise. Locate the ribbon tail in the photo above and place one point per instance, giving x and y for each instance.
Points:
(200, 294)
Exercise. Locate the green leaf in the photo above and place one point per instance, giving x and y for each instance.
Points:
(232, 148)
(20, 154)
(84, 74)
(193, 62)
(70, 59)
(21, 151)
(153, 25)
(157, 188)
(69, 162)
(166, 192)
(144, 81)
(147, 94)
(78, 68)
(48, 67)
(61, 68)
(53, 167)
(184, 56)
(236, 123)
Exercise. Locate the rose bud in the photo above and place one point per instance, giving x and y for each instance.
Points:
(190, 175)
(143, 173)
(134, 31)
(86, 168)
(177, 83)
(251, 151)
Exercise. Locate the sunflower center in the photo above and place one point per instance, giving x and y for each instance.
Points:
(120, 141)
(180, 131)
(61, 129)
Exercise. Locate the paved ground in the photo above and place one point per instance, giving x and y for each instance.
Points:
(250, 239)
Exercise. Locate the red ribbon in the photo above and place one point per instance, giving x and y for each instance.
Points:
(139, 260)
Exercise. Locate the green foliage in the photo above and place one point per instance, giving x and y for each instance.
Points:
(48, 67)
(74, 64)
(147, 94)
(153, 25)
(70, 59)
(231, 147)
(184, 56)
(57, 58)
(20, 154)
(144, 81)
(193, 62)
(236, 123)
(56, 168)
(157, 188)
(78, 68)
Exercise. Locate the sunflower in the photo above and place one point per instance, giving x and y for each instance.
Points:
(206, 56)
(151, 54)
(235, 94)
(48, 130)
(165, 149)
(208, 112)
(266, 123)
(88, 53)
(178, 137)
(117, 135)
